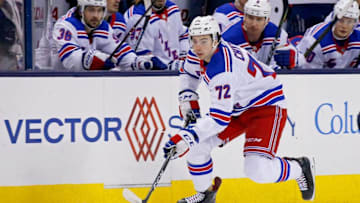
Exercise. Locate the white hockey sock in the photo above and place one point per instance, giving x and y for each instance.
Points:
(264, 170)
(288, 169)
(201, 175)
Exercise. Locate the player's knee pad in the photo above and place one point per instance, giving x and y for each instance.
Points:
(258, 168)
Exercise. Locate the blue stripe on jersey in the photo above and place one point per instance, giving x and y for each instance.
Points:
(192, 132)
(226, 8)
(221, 117)
(217, 64)
(220, 122)
(76, 23)
(218, 111)
(173, 11)
(122, 51)
(189, 74)
(264, 94)
(100, 36)
(192, 61)
(138, 9)
(154, 20)
(276, 99)
(271, 100)
(234, 34)
(144, 52)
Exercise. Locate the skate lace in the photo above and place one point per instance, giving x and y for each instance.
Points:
(303, 185)
(198, 197)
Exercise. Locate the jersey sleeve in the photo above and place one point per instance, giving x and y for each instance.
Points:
(132, 15)
(184, 40)
(314, 60)
(222, 20)
(190, 77)
(69, 52)
(119, 27)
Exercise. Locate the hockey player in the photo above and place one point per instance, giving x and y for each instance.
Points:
(340, 5)
(116, 19)
(339, 48)
(229, 13)
(11, 36)
(256, 33)
(164, 35)
(113, 17)
(245, 97)
(85, 41)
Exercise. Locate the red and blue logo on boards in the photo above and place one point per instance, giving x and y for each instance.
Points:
(145, 129)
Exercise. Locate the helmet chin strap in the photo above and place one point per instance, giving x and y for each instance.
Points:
(214, 46)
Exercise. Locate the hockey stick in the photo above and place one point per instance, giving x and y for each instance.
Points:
(340, 15)
(131, 197)
(278, 32)
(127, 34)
(147, 4)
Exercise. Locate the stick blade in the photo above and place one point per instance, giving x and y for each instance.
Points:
(130, 196)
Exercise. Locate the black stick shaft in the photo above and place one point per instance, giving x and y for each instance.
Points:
(278, 32)
(127, 34)
(159, 175)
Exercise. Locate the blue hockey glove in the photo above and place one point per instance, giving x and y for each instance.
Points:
(175, 64)
(142, 62)
(286, 56)
(158, 64)
(182, 142)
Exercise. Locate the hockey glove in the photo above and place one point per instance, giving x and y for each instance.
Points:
(142, 62)
(286, 56)
(158, 64)
(175, 64)
(97, 60)
(189, 106)
(182, 142)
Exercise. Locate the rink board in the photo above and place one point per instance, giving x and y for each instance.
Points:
(77, 135)
(339, 188)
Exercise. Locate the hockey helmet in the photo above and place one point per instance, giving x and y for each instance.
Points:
(83, 3)
(351, 12)
(205, 25)
(260, 8)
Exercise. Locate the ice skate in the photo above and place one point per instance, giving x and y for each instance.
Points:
(306, 181)
(208, 196)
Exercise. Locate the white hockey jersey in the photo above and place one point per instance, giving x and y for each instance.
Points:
(165, 35)
(236, 82)
(227, 14)
(329, 53)
(261, 50)
(73, 42)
